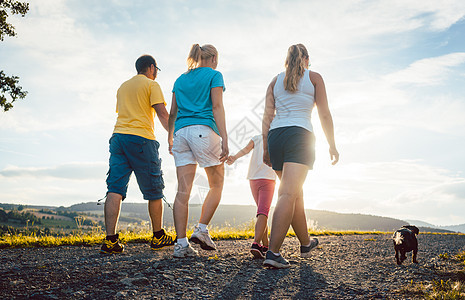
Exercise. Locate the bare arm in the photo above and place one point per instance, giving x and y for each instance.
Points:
(268, 116)
(218, 114)
(325, 115)
(242, 152)
(162, 114)
(171, 120)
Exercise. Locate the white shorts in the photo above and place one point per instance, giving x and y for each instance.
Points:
(196, 144)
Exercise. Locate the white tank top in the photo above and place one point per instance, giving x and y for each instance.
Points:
(294, 109)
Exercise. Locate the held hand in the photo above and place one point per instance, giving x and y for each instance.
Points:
(334, 155)
(231, 160)
(266, 158)
(224, 150)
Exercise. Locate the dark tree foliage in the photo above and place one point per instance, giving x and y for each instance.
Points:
(15, 216)
(16, 8)
(9, 84)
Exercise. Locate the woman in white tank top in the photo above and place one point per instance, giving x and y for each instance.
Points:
(288, 143)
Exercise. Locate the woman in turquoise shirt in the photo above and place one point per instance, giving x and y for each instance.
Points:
(197, 135)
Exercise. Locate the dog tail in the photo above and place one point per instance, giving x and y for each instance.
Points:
(398, 238)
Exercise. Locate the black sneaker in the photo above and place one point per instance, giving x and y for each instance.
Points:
(275, 261)
(109, 247)
(256, 250)
(164, 241)
(264, 249)
(305, 250)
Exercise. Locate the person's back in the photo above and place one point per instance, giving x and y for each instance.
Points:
(193, 97)
(257, 169)
(294, 108)
(135, 99)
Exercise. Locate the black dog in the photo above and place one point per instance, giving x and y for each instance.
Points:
(405, 240)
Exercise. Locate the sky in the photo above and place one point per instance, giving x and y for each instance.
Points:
(394, 73)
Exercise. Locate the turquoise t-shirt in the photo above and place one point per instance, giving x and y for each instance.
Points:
(193, 97)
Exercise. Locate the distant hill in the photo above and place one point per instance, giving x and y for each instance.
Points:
(453, 228)
(244, 215)
(457, 228)
(420, 223)
(339, 221)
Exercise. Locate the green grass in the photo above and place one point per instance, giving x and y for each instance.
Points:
(96, 237)
(449, 289)
(461, 257)
(77, 238)
(444, 256)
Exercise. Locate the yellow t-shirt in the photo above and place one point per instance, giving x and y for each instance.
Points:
(135, 98)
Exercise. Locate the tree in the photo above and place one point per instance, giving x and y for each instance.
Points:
(9, 84)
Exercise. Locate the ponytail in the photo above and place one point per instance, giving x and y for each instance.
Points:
(198, 53)
(194, 57)
(295, 66)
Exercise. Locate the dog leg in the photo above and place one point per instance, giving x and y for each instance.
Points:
(397, 258)
(414, 257)
(402, 255)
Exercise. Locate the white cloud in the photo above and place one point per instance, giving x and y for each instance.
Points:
(399, 189)
(74, 171)
(419, 96)
(428, 71)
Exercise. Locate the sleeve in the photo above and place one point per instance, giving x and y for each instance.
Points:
(257, 140)
(156, 95)
(175, 84)
(217, 81)
(117, 93)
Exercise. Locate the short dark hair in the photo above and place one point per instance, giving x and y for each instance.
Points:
(144, 62)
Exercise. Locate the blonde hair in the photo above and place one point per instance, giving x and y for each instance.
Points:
(199, 53)
(295, 66)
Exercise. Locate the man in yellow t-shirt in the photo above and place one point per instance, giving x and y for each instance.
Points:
(133, 148)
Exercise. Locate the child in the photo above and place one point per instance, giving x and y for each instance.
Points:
(262, 182)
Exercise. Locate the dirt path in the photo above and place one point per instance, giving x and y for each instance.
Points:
(342, 267)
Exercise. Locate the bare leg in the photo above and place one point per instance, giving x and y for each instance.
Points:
(265, 235)
(111, 210)
(260, 234)
(292, 179)
(156, 214)
(185, 176)
(299, 222)
(215, 176)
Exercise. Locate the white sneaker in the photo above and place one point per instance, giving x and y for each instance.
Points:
(203, 239)
(305, 250)
(180, 251)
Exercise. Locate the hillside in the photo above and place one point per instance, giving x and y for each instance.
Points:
(454, 228)
(237, 216)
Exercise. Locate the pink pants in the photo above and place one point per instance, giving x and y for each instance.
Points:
(262, 191)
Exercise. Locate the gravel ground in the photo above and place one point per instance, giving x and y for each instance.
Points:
(342, 267)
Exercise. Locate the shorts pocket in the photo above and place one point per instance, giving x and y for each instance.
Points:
(157, 180)
(203, 131)
(138, 145)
